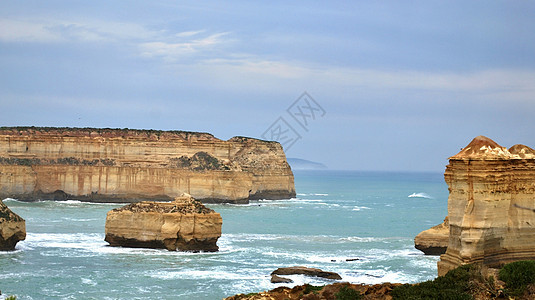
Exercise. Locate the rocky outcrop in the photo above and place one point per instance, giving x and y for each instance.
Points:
(12, 228)
(184, 224)
(490, 206)
(333, 291)
(279, 279)
(123, 165)
(299, 270)
(434, 241)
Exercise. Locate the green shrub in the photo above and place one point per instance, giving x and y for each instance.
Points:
(517, 276)
(312, 288)
(452, 286)
(346, 293)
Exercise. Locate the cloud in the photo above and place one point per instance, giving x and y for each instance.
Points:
(23, 31)
(170, 51)
(259, 73)
(55, 31)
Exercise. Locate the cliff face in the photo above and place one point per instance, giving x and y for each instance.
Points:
(12, 228)
(492, 194)
(184, 224)
(434, 241)
(131, 165)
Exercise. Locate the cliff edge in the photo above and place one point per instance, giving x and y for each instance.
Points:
(125, 165)
(490, 205)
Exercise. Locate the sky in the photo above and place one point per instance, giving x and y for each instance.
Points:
(356, 85)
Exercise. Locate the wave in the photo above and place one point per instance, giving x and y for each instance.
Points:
(359, 208)
(420, 195)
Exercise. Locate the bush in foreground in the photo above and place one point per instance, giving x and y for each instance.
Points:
(517, 276)
(452, 286)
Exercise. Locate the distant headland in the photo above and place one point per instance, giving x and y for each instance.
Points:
(129, 165)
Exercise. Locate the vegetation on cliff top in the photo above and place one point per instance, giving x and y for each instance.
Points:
(88, 130)
(72, 161)
(200, 161)
(465, 282)
(7, 215)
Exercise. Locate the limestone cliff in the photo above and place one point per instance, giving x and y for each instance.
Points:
(434, 240)
(492, 194)
(184, 224)
(12, 228)
(124, 165)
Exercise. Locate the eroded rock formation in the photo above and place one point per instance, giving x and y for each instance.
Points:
(490, 206)
(12, 228)
(122, 165)
(434, 240)
(300, 270)
(184, 224)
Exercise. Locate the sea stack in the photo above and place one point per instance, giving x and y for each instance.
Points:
(490, 206)
(126, 165)
(184, 224)
(12, 228)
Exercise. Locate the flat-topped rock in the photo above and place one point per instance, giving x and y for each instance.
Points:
(12, 228)
(434, 241)
(184, 224)
(300, 270)
(126, 165)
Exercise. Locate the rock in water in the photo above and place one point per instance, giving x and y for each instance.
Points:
(278, 279)
(434, 241)
(184, 224)
(12, 228)
(299, 270)
(490, 205)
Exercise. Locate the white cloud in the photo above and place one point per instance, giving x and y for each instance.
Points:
(52, 31)
(170, 51)
(23, 31)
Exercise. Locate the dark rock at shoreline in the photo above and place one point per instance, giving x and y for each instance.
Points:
(300, 270)
(278, 279)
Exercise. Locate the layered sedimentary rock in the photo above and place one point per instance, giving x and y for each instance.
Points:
(183, 224)
(434, 240)
(12, 228)
(123, 165)
(490, 206)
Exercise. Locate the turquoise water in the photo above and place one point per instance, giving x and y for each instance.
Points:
(337, 215)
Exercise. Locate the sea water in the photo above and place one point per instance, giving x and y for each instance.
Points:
(358, 224)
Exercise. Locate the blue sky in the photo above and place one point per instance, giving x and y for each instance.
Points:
(402, 86)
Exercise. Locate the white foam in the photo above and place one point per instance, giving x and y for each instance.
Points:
(420, 195)
(359, 208)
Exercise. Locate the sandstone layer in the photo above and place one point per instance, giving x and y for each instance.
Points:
(12, 228)
(490, 206)
(434, 241)
(123, 165)
(183, 224)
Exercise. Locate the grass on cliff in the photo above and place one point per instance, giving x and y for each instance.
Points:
(455, 285)
(466, 282)
(518, 276)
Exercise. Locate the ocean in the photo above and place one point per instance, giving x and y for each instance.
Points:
(358, 224)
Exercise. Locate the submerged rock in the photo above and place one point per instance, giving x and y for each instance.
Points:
(12, 228)
(299, 270)
(184, 224)
(434, 241)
